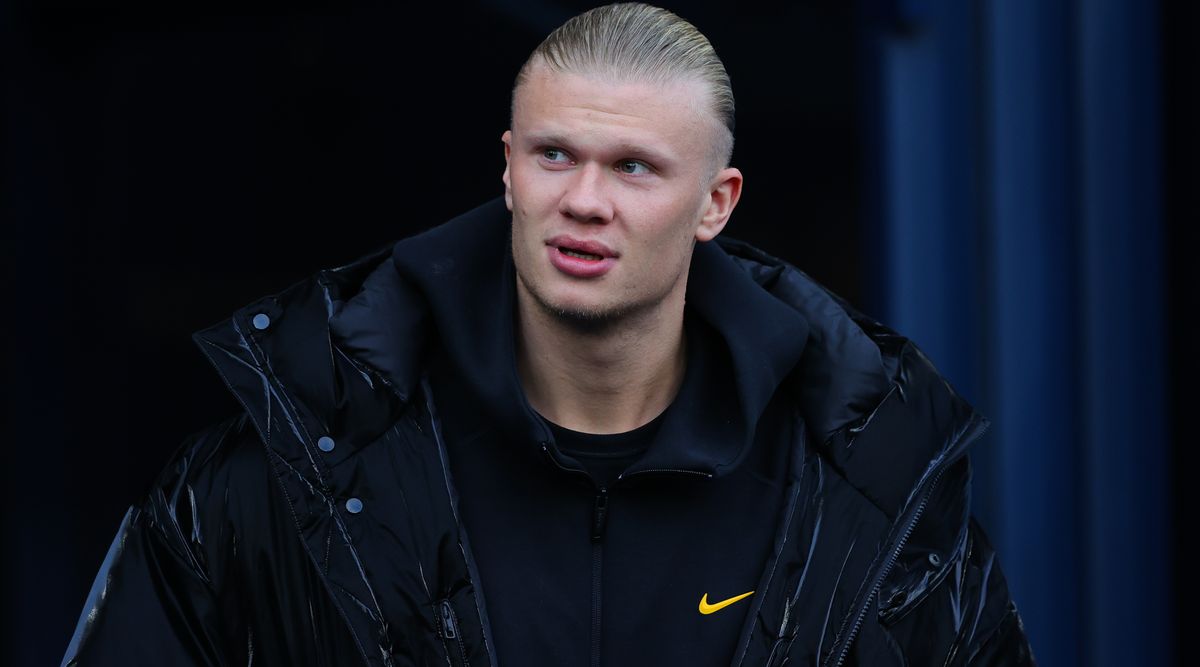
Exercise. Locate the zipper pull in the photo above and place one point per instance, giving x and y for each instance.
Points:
(599, 514)
(448, 627)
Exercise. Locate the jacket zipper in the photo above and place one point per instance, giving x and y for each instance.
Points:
(894, 554)
(448, 630)
(891, 562)
(599, 521)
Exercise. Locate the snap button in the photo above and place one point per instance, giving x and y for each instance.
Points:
(354, 506)
(261, 321)
(935, 560)
(325, 443)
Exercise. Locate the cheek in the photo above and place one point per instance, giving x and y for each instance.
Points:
(528, 180)
(681, 233)
(520, 230)
(670, 247)
(520, 248)
(526, 242)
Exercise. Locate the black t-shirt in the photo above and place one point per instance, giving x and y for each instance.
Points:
(605, 455)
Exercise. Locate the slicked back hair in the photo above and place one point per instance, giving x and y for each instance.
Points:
(632, 41)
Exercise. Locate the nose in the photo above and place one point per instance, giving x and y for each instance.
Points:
(586, 198)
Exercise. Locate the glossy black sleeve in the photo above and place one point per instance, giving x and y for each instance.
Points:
(946, 601)
(152, 601)
(997, 635)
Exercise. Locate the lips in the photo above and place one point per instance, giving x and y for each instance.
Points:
(580, 258)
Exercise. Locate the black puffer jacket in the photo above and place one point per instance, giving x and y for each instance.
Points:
(321, 526)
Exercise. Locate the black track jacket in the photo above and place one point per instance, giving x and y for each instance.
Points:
(388, 497)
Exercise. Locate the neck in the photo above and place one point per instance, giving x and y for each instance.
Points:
(610, 378)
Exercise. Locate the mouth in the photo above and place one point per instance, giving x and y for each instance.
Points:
(581, 255)
(579, 258)
(581, 249)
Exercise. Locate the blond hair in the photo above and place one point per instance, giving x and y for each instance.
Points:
(635, 41)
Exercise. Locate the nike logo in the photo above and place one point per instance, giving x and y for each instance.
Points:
(706, 608)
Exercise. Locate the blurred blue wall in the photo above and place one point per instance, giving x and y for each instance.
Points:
(1016, 213)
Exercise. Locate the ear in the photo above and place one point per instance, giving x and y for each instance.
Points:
(723, 195)
(507, 139)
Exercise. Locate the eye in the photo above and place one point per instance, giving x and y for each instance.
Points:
(633, 167)
(555, 155)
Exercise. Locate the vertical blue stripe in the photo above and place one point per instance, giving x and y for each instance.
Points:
(1124, 415)
(1034, 347)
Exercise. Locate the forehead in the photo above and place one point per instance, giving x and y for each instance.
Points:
(672, 117)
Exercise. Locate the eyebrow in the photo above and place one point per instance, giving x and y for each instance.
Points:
(623, 148)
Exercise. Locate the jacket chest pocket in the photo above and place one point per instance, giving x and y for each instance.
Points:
(901, 594)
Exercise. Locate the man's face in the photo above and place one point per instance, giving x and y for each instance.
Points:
(609, 185)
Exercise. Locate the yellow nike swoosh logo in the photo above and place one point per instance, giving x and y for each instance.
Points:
(706, 608)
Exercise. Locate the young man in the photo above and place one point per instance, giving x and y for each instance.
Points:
(568, 428)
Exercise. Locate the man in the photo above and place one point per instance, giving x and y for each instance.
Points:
(567, 429)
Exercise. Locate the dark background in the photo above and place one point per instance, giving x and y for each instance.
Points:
(166, 163)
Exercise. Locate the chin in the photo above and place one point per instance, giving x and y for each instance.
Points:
(576, 309)
(578, 313)
(572, 304)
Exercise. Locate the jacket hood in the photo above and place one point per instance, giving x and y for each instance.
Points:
(469, 290)
(872, 403)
